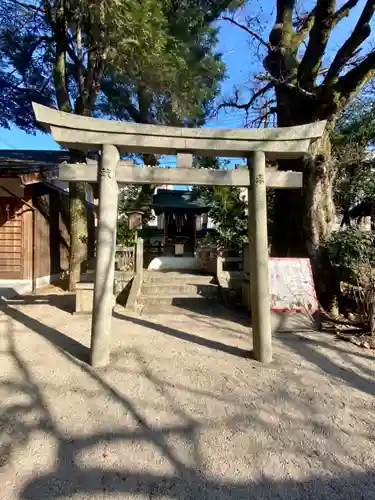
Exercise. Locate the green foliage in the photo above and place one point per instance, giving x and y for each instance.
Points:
(355, 183)
(179, 76)
(356, 125)
(228, 209)
(132, 197)
(350, 250)
(142, 60)
(352, 254)
(124, 235)
(353, 140)
(135, 197)
(129, 199)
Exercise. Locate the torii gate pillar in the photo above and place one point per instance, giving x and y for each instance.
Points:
(258, 255)
(105, 257)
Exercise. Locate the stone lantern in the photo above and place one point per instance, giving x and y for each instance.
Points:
(135, 220)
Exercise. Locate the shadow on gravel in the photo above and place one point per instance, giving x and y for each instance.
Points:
(69, 477)
(308, 349)
(188, 337)
(65, 302)
(189, 485)
(59, 339)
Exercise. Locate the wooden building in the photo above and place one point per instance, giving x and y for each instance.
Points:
(34, 217)
(182, 218)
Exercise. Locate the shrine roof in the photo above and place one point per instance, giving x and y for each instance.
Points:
(15, 162)
(167, 200)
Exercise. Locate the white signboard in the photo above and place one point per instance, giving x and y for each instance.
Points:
(292, 286)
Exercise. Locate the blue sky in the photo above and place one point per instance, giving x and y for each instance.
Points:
(234, 45)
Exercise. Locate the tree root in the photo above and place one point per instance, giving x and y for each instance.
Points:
(349, 330)
(365, 341)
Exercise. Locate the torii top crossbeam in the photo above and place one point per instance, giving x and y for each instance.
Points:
(79, 132)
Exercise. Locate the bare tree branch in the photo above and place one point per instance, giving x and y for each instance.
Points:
(132, 111)
(28, 6)
(71, 53)
(283, 28)
(281, 59)
(357, 77)
(344, 11)
(264, 115)
(301, 90)
(285, 83)
(305, 24)
(304, 28)
(361, 31)
(246, 106)
(319, 36)
(247, 29)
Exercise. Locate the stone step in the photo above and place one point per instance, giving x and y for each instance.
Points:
(177, 274)
(168, 278)
(176, 288)
(175, 300)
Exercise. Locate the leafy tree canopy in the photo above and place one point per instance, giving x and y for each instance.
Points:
(353, 140)
(356, 125)
(142, 60)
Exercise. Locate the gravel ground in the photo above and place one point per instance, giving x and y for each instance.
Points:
(181, 412)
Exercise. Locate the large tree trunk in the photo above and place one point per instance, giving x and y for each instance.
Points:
(77, 191)
(304, 219)
(319, 221)
(78, 224)
(78, 231)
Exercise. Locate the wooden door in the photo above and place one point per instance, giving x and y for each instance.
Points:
(11, 261)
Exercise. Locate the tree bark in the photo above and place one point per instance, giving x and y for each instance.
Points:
(77, 191)
(304, 219)
(319, 221)
(78, 231)
(78, 224)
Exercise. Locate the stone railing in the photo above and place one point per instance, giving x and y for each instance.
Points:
(217, 261)
(206, 259)
(124, 272)
(125, 258)
(230, 275)
(138, 277)
(229, 260)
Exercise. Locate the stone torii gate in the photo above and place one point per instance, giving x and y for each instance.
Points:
(113, 138)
